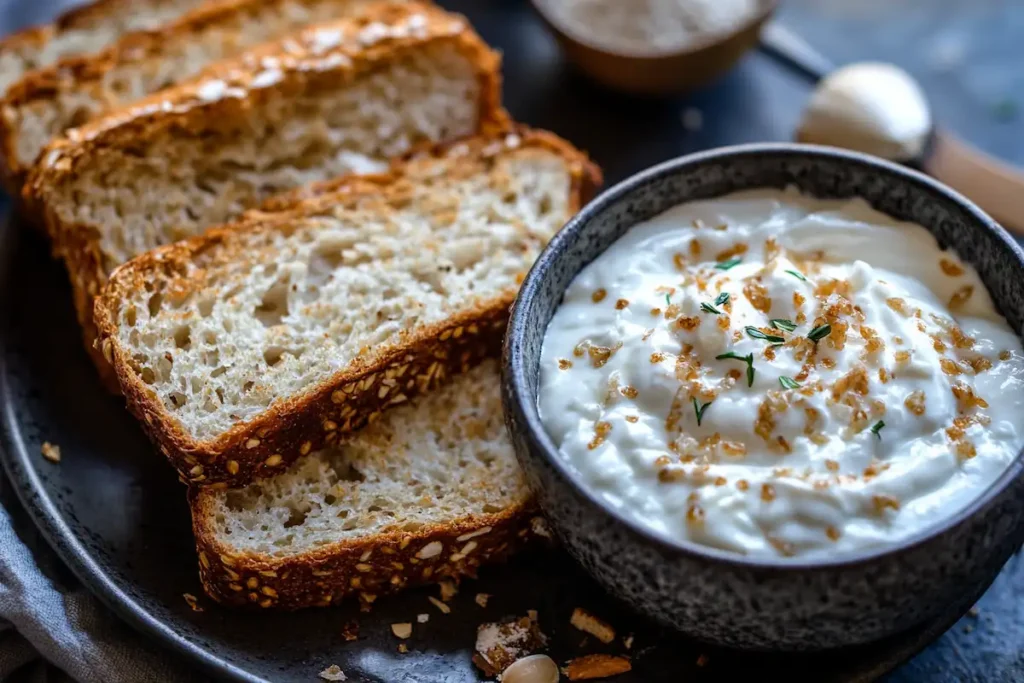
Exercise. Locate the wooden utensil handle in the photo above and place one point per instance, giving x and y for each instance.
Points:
(995, 186)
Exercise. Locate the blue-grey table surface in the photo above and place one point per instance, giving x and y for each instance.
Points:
(969, 56)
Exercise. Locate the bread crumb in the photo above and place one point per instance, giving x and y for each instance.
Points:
(596, 666)
(422, 618)
(627, 642)
(448, 590)
(192, 602)
(50, 451)
(350, 631)
(333, 673)
(973, 612)
(403, 648)
(482, 598)
(403, 630)
(588, 623)
(500, 644)
(439, 605)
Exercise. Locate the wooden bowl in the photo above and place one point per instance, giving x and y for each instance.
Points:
(661, 72)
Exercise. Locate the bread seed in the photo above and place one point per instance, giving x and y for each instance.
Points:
(234, 586)
(252, 443)
(269, 592)
(304, 449)
(196, 471)
(252, 582)
(232, 467)
(363, 567)
(432, 549)
(474, 534)
(273, 460)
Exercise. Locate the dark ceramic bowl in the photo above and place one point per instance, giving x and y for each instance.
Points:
(730, 599)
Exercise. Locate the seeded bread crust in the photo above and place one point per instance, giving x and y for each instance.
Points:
(304, 66)
(140, 64)
(356, 395)
(368, 568)
(83, 29)
(255, 547)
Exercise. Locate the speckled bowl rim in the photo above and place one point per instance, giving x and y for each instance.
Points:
(766, 8)
(525, 406)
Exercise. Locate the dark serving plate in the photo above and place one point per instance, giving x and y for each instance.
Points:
(116, 514)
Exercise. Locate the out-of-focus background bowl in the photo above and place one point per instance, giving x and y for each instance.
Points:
(665, 72)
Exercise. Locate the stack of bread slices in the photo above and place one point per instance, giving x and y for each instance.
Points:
(293, 230)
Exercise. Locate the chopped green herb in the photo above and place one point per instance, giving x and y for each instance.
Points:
(699, 409)
(789, 382)
(668, 299)
(819, 333)
(748, 359)
(782, 324)
(722, 299)
(797, 275)
(726, 265)
(758, 334)
(708, 308)
(877, 427)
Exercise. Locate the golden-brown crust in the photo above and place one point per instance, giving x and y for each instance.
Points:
(370, 567)
(352, 397)
(80, 72)
(301, 62)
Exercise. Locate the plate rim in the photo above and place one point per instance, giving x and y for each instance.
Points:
(33, 496)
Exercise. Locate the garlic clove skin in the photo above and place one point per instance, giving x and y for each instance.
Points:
(531, 669)
(869, 107)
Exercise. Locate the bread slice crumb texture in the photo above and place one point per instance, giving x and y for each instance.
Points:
(222, 328)
(75, 90)
(83, 30)
(441, 459)
(336, 98)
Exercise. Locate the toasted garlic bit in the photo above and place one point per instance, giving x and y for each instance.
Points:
(50, 451)
(588, 623)
(725, 383)
(592, 667)
(531, 669)
(403, 630)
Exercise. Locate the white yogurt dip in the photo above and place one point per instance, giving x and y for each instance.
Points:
(778, 375)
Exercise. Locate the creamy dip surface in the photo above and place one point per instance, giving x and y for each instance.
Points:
(778, 375)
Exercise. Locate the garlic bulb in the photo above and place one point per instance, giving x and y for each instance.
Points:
(869, 107)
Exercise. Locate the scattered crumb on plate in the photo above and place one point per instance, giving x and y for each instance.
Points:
(50, 451)
(333, 673)
(588, 623)
(590, 667)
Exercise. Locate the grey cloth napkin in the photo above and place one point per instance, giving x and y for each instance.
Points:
(52, 630)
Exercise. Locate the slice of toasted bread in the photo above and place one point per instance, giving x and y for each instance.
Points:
(335, 98)
(429, 492)
(251, 345)
(83, 30)
(75, 90)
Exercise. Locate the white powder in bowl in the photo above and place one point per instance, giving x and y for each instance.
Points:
(647, 26)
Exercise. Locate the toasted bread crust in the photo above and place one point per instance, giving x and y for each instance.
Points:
(86, 74)
(370, 567)
(304, 67)
(351, 398)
